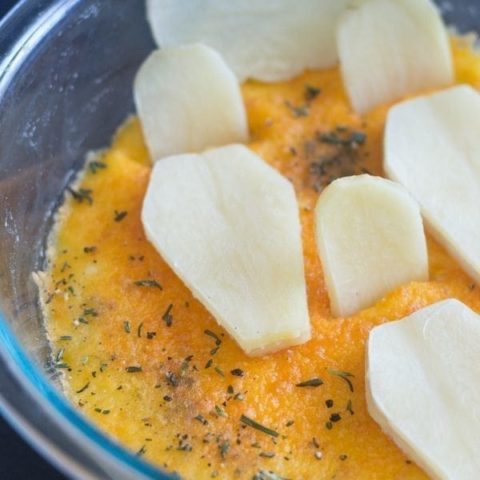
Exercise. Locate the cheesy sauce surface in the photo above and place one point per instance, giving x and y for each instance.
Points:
(150, 366)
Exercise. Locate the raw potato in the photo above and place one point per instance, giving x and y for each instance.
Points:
(188, 99)
(432, 147)
(422, 387)
(392, 48)
(370, 240)
(228, 225)
(269, 40)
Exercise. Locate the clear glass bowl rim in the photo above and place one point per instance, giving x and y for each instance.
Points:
(26, 21)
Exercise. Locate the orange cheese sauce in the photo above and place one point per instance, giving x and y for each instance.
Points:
(130, 338)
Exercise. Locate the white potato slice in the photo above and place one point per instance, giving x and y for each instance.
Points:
(391, 48)
(269, 40)
(422, 387)
(370, 240)
(188, 99)
(228, 224)
(432, 147)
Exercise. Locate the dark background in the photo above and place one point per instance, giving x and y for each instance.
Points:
(17, 460)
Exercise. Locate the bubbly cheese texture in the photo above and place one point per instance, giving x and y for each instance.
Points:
(368, 227)
(235, 240)
(105, 314)
(392, 48)
(423, 389)
(267, 40)
(432, 147)
(182, 112)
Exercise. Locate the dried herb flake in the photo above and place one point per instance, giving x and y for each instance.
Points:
(344, 376)
(335, 417)
(313, 382)
(148, 283)
(119, 215)
(220, 411)
(96, 165)
(133, 369)
(224, 447)
(83, 388)
(201, 419)
(266, 454)
(142, 451)
(267, 475)
(167, 317)
(172, 379)
(81, 195)
(298, 111)
(258, 426)
(214, 336)
(311, 93)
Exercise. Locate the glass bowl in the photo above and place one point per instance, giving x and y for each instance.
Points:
(66, 71)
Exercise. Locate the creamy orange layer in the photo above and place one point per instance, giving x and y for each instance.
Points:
(137, 350)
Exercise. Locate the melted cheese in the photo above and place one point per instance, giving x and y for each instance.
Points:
(95, 292)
